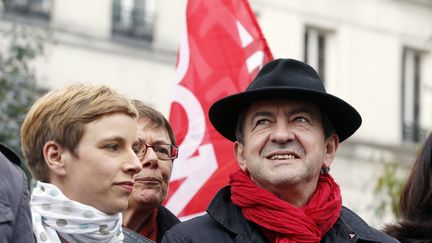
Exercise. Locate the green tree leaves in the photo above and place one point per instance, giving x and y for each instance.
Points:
(19, 47)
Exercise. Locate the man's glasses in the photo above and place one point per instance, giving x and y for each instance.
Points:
(162, 151)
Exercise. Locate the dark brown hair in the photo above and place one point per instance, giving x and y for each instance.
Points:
(416, 198)
(416, 201)
(155, 117)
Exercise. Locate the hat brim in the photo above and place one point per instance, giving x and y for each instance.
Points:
(224, 113)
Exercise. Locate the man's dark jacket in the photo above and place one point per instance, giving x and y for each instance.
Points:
(165, 220)
(224, 222)
(15, 217)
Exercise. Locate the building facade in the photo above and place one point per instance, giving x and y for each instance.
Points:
(375, 54)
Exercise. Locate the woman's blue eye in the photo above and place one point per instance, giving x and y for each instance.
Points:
(112, 147)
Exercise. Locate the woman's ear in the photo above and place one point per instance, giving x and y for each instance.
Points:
(54, 158)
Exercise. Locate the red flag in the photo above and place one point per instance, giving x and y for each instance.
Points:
(220, 52)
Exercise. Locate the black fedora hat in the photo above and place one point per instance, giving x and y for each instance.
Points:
(285, 79)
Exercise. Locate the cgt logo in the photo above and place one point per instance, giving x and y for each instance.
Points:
(221, 49)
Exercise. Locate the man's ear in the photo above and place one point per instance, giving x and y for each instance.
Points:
(239, 153)
(332, 144)
(54, 158)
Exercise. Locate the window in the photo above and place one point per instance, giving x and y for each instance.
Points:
(134, 18)
(31, 8)
(315, 49)
(411, 95)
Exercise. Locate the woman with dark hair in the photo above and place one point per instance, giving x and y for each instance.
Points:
(416, 201)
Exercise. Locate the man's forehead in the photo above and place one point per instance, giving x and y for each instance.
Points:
(286, 105)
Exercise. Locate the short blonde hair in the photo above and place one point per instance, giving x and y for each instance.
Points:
(60, 116)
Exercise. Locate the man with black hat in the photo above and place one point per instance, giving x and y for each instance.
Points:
(15, 216)
(286, 130)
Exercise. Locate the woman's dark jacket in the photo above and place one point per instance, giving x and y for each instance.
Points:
(15, 217)
(224, 222)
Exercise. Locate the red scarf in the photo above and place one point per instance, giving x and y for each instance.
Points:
(281, 221)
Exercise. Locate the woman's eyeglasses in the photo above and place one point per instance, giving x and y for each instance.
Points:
(162, 151)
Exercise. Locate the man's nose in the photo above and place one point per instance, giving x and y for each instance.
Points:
(281, 133)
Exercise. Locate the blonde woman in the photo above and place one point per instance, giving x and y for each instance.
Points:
(80, 143)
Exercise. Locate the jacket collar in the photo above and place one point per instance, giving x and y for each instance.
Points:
(351, 226)
(225, 212)
(222, 210)
(165, 220)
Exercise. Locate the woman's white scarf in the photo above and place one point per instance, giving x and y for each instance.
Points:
(55, 215)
